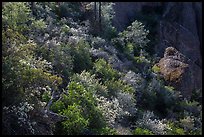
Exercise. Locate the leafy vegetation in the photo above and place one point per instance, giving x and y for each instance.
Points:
(62, 76)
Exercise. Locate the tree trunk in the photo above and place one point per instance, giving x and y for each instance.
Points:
(33, 8)
(95, 12)
(99, 16)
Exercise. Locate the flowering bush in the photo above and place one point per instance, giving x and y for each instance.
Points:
(110, 109)
(90, 83)
(16, 119)
(156, 126)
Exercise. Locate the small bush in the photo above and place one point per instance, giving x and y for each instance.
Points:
(76, 123)
(140, 131)
(81, 56)
(106, 131)
(57, 107)
(175, 130)
(104, 70)
(116, 86)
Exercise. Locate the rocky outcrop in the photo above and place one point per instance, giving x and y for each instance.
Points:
(178, 72)
(180, 28)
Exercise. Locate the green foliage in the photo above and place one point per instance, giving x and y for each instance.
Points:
(155, 69)
(104, 70)
(116, 86)
(57, 106)
(90, 83)
(39, 24)
(130, 48)
(46, 96)
(41, 50)
(140, 131)
(65, 28)
(76, 123)
(175, 130)
(156, 97)
(16, 15)
(106, 131)
(141, 59)
(85, 100)
(81, 56)
(137, 35)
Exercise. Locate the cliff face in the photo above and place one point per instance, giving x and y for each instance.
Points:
(180, 26)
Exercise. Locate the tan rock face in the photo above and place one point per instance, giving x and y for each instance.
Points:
(177, 70)
(172, 66)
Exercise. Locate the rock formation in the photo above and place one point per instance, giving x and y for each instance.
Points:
(178, 72)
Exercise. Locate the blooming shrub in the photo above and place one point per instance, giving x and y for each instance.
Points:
(90, 83)
(17, 120)
(127, 103)
(156, 126)
(110, 109)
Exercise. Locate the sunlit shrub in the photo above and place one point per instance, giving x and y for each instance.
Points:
(76, 123)
(16, 15)
(156, 126)
(116, 86)
(90, 83)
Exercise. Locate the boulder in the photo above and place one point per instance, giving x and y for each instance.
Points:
(177, 70)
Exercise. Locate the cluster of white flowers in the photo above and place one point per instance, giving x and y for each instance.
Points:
(157, 126)
(90, 82)
(21, 112)
(127, 102)
(110, 109)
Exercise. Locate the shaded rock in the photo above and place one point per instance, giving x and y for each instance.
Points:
(126, 12)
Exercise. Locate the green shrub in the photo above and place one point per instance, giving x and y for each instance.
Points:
(46, 96)
(81, 56)
(57, 107)
(140, 131)
(90, 83)
(141, 59)
(76, 123)
(116, 86)
(106, 131)
(104, 70)
(16, 15)
(175, 129)
(135, 34)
